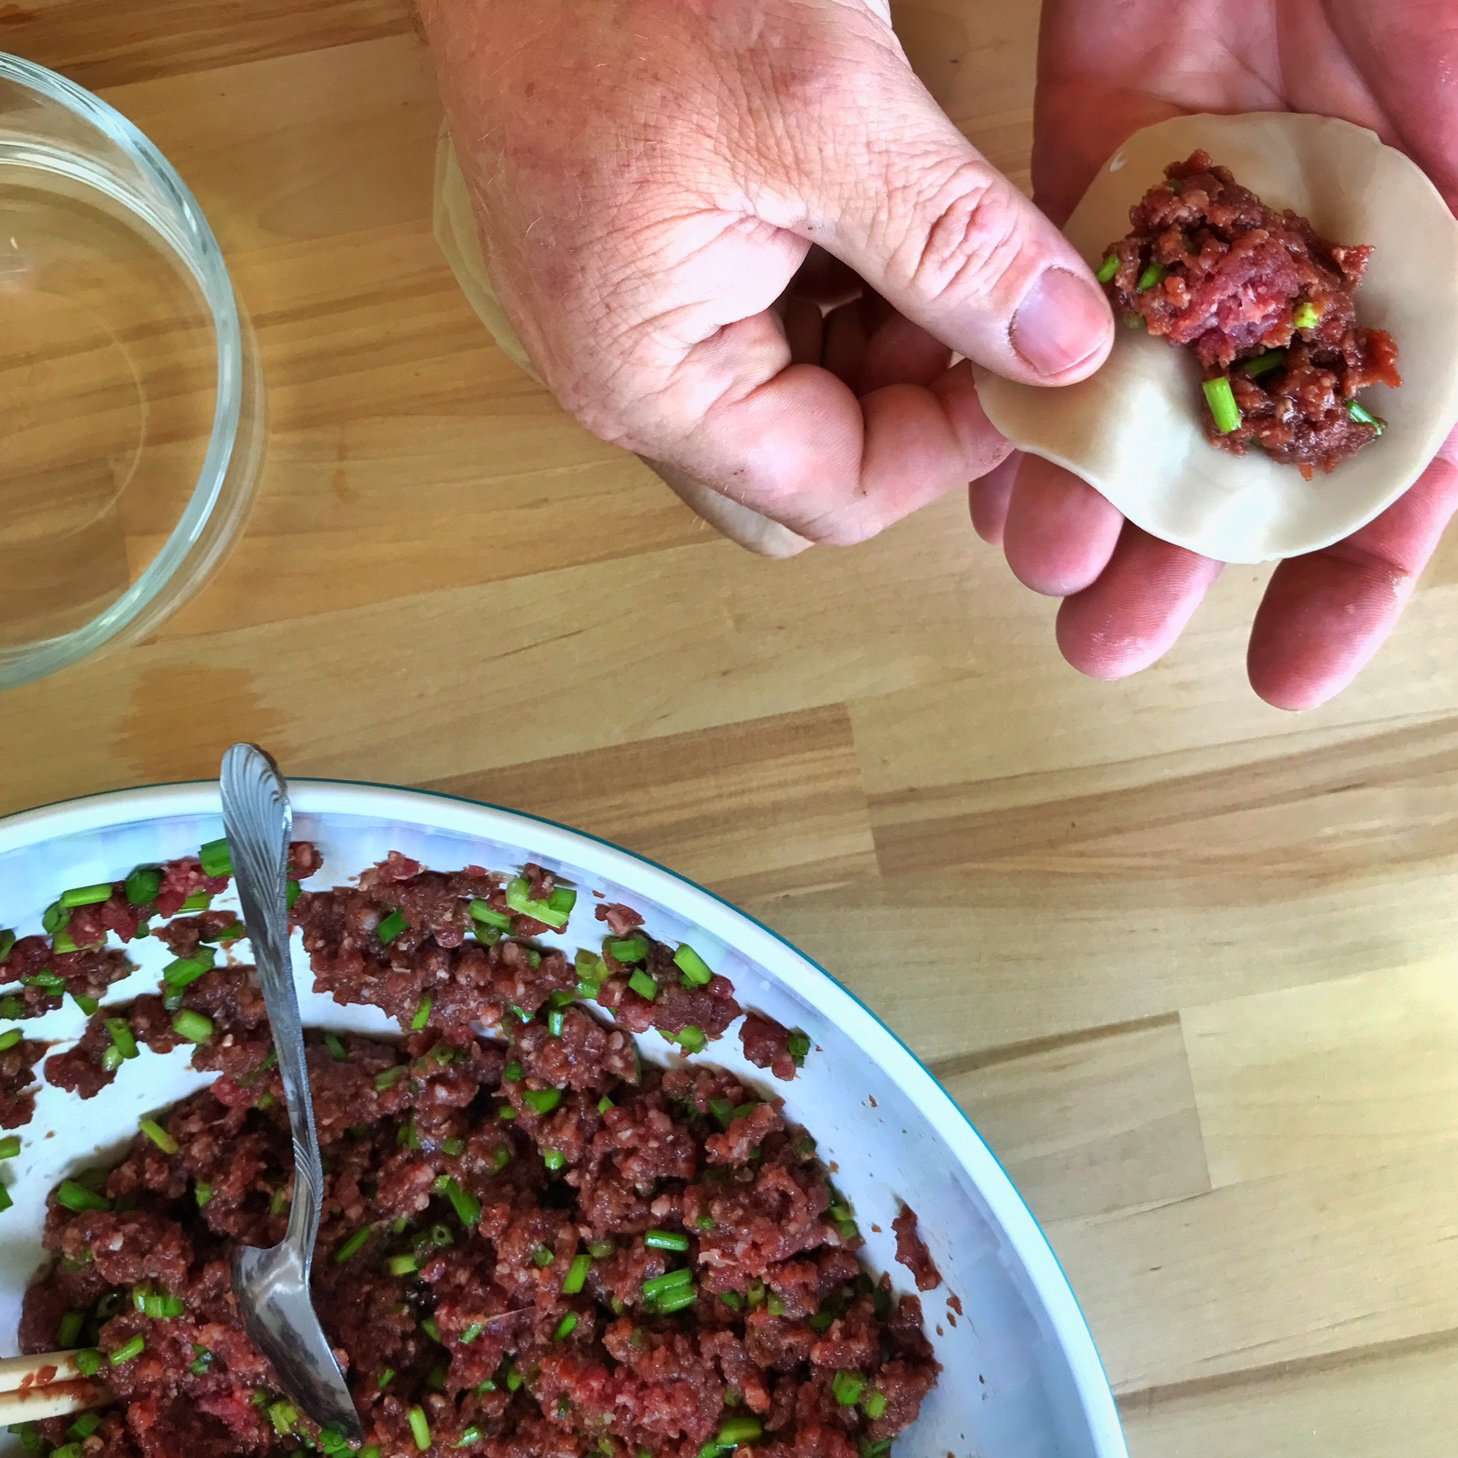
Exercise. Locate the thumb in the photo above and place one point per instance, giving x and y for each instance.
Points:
(934, 228)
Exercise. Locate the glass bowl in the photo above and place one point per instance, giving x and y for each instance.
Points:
(1022, 1378)
(129, 390)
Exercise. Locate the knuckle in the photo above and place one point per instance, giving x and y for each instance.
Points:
(966, 236)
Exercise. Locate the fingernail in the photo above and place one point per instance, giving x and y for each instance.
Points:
(1061, 322)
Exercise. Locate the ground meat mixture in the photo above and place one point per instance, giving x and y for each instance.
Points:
(1265, 304)
(911, 1251)
(534, 1246)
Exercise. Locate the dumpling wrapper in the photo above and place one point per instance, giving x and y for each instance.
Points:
(1135, 429)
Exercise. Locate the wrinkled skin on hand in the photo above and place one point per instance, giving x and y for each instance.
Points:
(739, 238)
(1107, 68)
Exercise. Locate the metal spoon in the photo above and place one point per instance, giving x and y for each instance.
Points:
(272, 1286)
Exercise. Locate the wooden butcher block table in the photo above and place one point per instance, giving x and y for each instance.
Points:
(1188, 962)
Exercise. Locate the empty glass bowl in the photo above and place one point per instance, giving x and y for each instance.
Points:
(131, 416)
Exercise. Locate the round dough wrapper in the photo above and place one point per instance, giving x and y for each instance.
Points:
(1135, 429)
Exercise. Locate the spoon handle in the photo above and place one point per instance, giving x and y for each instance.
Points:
(258, 821)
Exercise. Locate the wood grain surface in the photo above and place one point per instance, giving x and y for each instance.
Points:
(1186, 960)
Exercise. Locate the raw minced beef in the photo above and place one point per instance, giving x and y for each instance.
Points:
(1265, 304)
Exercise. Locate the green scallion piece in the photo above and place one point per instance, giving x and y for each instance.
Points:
(7, 941)
(1363, 416)
(122, 1037)
(542, 1257)
(86, 895)
(798, 1044)
(335, 1044)
(513, 1072)
(127, 1351)
(655, 1286)
(402, 1265)
(519, 899)
(555, 1020)
(9, 1038)
(419, 1428)
(11, 1007)
(158, 1135)
(142, 886)
(284, 1416)
(846, 1387)
(1263, 364)
(453, 1147)
(429, 1327)
(216, 858)
(572, 1282)
(353, 1245)
(675, 1300)
(1305, 315)
(5, 1199)
(628, 950)
(68, 1330)
(389, 1077)
(873, 1404)
(47, 981)
(292, 892)
(554, 1160)
(1154, 273)
(10, 1147)
(472, 1333)
(1221, 399)
(195, 1027)
(198, 901)
(463, 1202)
(1108, 268)
(88, 1362)
(54, 917)
(422, 1014)
(541, 1100)
(386, 1377)
(604, 1104)
(470, 1436)
(643, 985)
(182, 973)
(391, 926)
(691, 1039)
(68, 1450)
(87, 1004)
(202, 1192)
(487, 915)
(695, 970)
(744, 1428)
(666, 1240)
(75, 1196)
(565, 1327)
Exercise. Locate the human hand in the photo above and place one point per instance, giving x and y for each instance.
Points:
(650, 177)
(1106, 69)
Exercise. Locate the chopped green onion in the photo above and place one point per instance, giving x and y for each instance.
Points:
(643, 985)
(472, 1333)
(572, 1282)
(292, 892)
(692, 1039)
(469, 1437)
(202, 1359)
(723, 1112)
(555, 1020)
(506, 1113)
(419, 1428)
(68, 1332)
(182, 973)
(142, 886)
(666, 1240)
(64, 942)
(542, 1257)
(513, 1072)
(604, 1104)
(655, 1286)
(600, 1249)
(774, 1305)
(562, 898)
(1363, 416)
(554, 1160)
(9, 1038)
(7, 941)
(122, 1037)
(198, 901)
(518, 898)
(1263, 364)
(798, 1044)
(429, 1327)
(744, 1428)
(463, 1202)
(129, 1349)
(86, 895)
(202, 1192)
(565, 1327)
(195, 1027)
(541, 1100)
(46, 980)
(111, 1059)
(1108, 268)
(386, 1377)
(283, 1415)
(1221, 399)
(402, 1265)
(11, 1007)
(353, 1245)
(9, 1146)
(1305, 316)
(75, 1196)
(879, 1449)
(158, 1135)
(54, 917)
(391, 926)
(874, 1405)
(389, 1077)
(1152, 275)
(519, 1012)
(88, 1005)
(422, 1014)
(68, 1450)
(695, 970)
(454, 1147)
(233, 933)
(87, 1362)
(216, 858)
(335, 1044)
(488, 915)
(847, 1388)
(628, 950)
(675, 1300)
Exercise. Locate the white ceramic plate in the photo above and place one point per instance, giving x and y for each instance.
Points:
(1022, 1379)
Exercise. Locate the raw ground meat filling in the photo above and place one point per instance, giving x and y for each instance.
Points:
(1265, 304)
(532, 1247)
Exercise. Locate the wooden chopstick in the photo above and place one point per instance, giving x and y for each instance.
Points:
(45, 1386)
